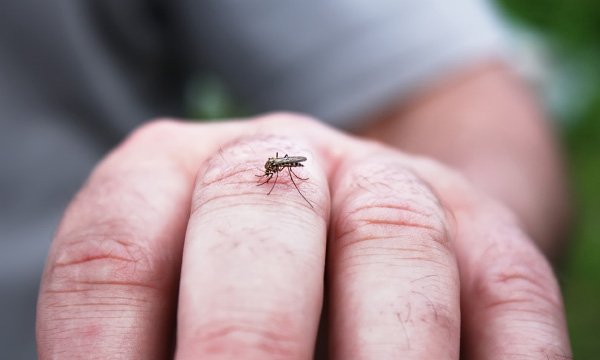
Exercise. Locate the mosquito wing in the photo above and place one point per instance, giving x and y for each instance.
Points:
(287, 160)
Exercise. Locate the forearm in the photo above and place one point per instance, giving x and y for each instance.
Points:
(485, 124)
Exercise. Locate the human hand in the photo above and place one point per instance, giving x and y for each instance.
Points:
(171, 225)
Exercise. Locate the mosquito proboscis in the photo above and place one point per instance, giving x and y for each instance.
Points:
(276, 164)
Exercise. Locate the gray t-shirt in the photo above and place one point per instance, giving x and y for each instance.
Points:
(77, 76)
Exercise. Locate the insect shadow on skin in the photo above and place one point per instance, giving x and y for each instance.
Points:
(276, 164)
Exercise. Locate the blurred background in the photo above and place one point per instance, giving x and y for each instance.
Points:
(567, 33)
(557, 46)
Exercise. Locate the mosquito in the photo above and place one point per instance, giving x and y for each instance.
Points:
(276, 164)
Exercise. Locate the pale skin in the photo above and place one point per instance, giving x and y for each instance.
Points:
(485, 123)
(170, 249)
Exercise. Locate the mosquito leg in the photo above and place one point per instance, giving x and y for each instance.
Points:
(264, 182)
(293, 182)
(262, 171)
(274, 182)
(290, 169)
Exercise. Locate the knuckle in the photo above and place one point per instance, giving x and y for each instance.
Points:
(392, 203)
(513, 274)
(223, 180)
(250, 333)
(93, 280)
(106, 257)
(233, 174)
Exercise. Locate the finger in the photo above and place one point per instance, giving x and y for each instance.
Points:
(512, 305)
(393, 280)
(510, 299)
(252, 272)
(110, 283)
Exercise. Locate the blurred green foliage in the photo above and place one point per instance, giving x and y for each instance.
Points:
(572, 28)
(209, 99)
(573, 23)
